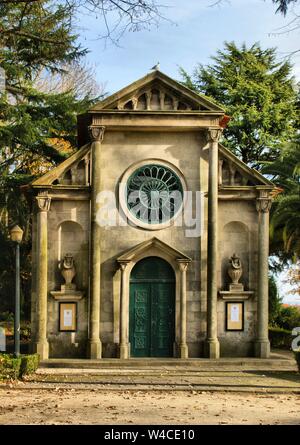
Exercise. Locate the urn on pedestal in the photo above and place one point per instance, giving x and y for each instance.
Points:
(235, 272)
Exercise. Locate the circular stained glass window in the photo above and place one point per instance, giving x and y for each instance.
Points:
(154, 194)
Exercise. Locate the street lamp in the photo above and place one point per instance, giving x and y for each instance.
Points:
(16, 234)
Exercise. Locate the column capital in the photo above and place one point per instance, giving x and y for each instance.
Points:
(123, 264)
(43, 202)
(183, 264)
(96, 133)
(263, 202)
(214, 134)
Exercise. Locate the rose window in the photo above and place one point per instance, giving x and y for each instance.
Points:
(154, 194)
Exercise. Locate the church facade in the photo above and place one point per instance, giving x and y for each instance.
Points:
(152, 239)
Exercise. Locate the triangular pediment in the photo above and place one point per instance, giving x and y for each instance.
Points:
(74, 171)
(157, 92)
(139, 249)
(235, 173)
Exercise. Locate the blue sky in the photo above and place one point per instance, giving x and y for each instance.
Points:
(196, 32)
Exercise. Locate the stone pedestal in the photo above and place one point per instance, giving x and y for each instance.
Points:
(67, 292)
(235, 295)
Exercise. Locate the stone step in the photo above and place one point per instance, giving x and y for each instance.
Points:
(175, 364)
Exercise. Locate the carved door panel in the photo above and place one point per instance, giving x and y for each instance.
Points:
(162, 319)
(140, 319)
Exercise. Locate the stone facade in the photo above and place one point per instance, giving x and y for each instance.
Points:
(153, 121)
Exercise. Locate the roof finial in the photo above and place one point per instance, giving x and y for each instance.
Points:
(156, 67)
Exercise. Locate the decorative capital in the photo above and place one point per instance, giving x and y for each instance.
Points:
(96, 133)
(183, 264)
(263, 202)
(123, 264)
(263, 205)
(214, 134)
(43, 202)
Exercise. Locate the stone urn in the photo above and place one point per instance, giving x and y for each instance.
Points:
(68, 269)
(235, 269)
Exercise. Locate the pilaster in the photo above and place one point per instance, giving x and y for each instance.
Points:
(212, 347)
(43, 202)
(95, 346)
(263, 205)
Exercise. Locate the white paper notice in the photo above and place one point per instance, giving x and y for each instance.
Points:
(68, 318)
(235, 313)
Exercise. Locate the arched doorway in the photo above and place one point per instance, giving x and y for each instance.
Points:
(152, 308)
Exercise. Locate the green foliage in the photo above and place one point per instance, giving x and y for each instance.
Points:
(12, 368)
(9, 367)
(280, 338)
(29, 364)
(36, 125)
(36, 37)
(274, 300)
(285, 212)
(257, 92)
(288, 318)
(6, 316)
(283, 5)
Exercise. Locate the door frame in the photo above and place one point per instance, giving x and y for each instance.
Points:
(150, 284)
(153, 247)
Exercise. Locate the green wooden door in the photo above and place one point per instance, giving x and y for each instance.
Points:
(152, 309)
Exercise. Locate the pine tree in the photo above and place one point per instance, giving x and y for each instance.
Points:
(285, 212)
(37, 128)
(257, 92)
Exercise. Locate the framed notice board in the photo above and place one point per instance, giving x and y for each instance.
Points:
(67, 317)
(234, 316)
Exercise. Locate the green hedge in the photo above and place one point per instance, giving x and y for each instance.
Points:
(9, 367)
(29, 364)
(280, 338)
(14, 368)
(297, 357)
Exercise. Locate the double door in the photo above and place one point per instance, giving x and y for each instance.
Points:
(152, 319)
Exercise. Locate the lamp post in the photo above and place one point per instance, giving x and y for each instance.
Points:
(16, 235)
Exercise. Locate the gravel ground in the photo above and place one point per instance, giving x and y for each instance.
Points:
(57, 406)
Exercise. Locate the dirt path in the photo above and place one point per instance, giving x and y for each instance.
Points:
(68, 406)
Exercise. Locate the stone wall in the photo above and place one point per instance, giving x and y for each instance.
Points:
(238, 234)
(119, 152)
(68, 232)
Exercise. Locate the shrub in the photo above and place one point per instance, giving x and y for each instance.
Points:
(9, 367)
(29, 364)
(288, 317)
(297, 357)
(6, 316)
(280, 338)
(14, 368)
